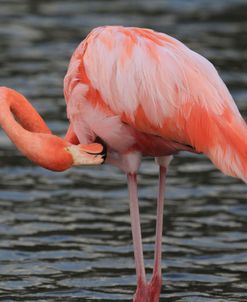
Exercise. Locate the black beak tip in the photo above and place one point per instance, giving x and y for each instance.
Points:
(104, 151)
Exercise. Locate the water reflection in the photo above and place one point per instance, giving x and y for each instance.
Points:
(67, 236)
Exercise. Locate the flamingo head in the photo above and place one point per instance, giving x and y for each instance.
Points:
(28, 131)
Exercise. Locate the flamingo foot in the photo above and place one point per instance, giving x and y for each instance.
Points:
(141, 293)
(154, 288)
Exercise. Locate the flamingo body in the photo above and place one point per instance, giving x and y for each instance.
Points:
(149, 93)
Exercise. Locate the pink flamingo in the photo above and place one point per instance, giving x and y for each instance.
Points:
(139, 93)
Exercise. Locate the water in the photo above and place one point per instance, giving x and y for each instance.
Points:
(66, 236)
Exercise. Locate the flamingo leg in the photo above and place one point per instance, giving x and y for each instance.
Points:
(156, 280)
(141, 292)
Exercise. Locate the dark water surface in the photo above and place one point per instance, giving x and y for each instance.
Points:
(67, 237)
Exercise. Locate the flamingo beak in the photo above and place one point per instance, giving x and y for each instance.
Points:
(92, 154)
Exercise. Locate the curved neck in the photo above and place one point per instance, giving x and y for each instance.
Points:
(22, 111)
(28, 131)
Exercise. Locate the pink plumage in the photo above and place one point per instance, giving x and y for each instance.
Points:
(130, 85)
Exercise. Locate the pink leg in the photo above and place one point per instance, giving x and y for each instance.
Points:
(141, 292)
(156, 281)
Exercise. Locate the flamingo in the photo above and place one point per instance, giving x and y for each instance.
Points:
(133, 92)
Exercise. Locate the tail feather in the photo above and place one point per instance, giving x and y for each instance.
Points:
(221, 136)
(230, 152)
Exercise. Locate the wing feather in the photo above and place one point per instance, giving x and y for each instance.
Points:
(157, 85)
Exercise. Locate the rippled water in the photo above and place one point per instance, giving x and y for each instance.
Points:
(66, 236)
